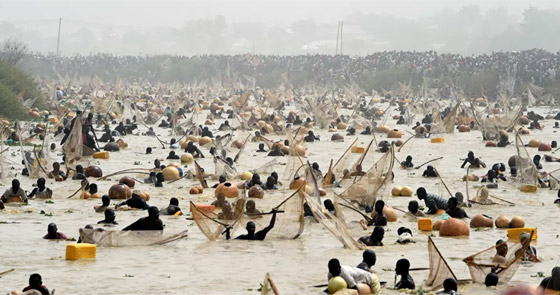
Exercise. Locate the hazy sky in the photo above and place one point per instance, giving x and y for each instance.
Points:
(280, 26)
(136, 13)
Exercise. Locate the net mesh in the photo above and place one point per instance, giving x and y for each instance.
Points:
(439, 269)
(73, 148)
(367, 188)
(109, 238)
(222, 167)
(527, 173)
(492, 124)
(294, 161)
(289, 219)
(333, 224)
(482, 263)
(211, 224)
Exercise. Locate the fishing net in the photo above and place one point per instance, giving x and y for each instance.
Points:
(109, 238)
(73, 148)
(289, 219)
(211, 224)
(439, 269)
(367, 188)
(482, 263)
(323, 114)
(294, 161)
(267, 168)
(222, 167)
(347, 161)
(289, 223)
(485, 197)
(526, 172)
(492, 124)
(273, 100)
(333, 224)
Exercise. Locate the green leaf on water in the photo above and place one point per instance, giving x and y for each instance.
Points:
(49, 202)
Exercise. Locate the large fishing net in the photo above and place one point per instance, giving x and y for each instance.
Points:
(109, 238)
(345, 162)
(267, 168)
(73, 147)
(222, 167)
(439, 269)
(490, 125)
(212, 224)
(289, 219)
(294, 162)
(333, 224)
(526, 172)
(323, 113)
(482, 263)
(366, 188)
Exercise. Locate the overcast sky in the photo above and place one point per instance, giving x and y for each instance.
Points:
(177, 12)
(280, 26)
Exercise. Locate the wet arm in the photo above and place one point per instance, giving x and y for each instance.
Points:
(272, 222)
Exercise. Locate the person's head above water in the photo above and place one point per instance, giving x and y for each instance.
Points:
(403, 230)
(470, 155)
(369, 257)
(148, 150)
(408, 159)
(106, 200)
(449, 285)
(452, 203)
(377, 234)
(315, 166)
(52, 229)
(421, 193)
(79, 169)
(109, 215)
(41, 183)
(379, 205)
(334, 267)
(250, 228)
(261, 146)
(491, 280)
(35, 281)
(226, 208)
(328, 205)
(15, 185)
(413, 207)
(174, 202)
(402, 267)
(250, 206)
(153, 212)
(221, 197)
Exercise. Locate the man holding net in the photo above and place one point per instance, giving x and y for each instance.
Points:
(251, 235)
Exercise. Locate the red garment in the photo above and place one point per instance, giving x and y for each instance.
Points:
(59, 236)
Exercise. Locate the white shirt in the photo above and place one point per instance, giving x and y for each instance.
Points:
(354, 275)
